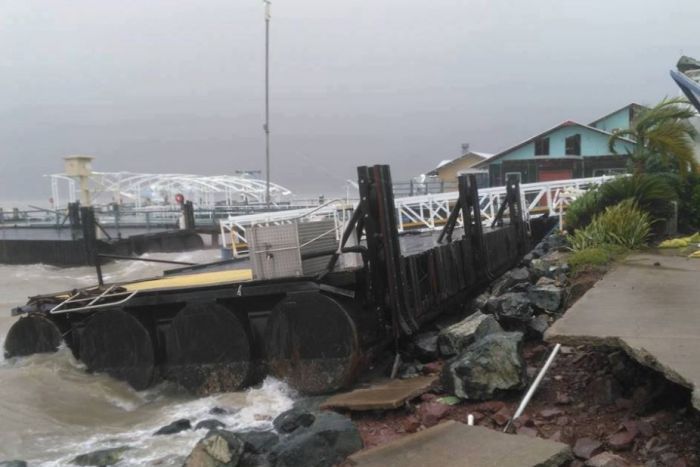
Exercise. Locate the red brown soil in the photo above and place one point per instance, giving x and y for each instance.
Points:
(587, 393)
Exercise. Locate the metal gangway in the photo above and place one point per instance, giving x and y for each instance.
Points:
(424, 212)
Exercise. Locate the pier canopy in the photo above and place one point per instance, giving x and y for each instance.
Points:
(143, 189)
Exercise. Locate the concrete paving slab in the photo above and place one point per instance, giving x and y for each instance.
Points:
(453, 444)
(386, 395)
(648, 305)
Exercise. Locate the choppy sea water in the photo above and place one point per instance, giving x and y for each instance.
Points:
(51, 410)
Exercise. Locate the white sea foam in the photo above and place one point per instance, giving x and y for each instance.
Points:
(53, 410)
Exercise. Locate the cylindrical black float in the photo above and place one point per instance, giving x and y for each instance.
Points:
(116, 343)
(32, 334)
(312, 343)
(208, 349)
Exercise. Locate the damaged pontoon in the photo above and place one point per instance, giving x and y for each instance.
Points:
(300, 314)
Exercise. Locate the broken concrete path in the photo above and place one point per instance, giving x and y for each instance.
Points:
(388, 395)
(648, 305)
(455, 444)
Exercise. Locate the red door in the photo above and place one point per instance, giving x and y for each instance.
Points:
(554, 174)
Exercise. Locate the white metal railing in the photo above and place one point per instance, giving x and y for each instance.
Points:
(233, 229)
(425, 212)
(429, 211)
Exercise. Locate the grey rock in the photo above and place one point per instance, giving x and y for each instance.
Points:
(101, 457)
(585, 448)
(288, 421)
(254, 460)
(490, 365)
(424, 346)
(222, 411)
(539, 267)
(514, 306)
(13, 463)
(545, 281)
(459, 336)
(492, 305)
(209, 424)
(258, 442)
(547, 297)
(326, 442)
(538, 325)
(174, 427)
(409, 370)
(480, 301)
(510, 280)
(219, 448)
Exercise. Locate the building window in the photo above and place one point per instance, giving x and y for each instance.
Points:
(542, 147)
(573, 145)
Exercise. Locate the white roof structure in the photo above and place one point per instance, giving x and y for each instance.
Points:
(142, 189)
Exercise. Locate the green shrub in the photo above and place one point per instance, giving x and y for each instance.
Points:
(581, 211)
(623, 224)
(689, 203)
(651, 193)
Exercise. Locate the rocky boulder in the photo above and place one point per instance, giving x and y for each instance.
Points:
(456, 338)
(326, 442)
(288, 421)
(510, 280)
(174, 427)
(424, 346)
(258, 442)
(102, 457)
(547, 297)
(480, 301)
(513, 306)
(490, 365)
(537, 326)
(218, 448)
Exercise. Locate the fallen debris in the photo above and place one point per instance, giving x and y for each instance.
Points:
(455, 444)
(387, 395)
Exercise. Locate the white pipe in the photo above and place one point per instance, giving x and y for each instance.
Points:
(533, 387)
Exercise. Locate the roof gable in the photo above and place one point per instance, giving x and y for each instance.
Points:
(626, 109)
(546, 133)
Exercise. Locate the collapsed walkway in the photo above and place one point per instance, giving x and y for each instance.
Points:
(648, 305)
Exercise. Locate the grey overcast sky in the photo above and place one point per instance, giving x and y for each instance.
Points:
(177, 85)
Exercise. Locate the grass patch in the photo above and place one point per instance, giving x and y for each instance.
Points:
(595, 257)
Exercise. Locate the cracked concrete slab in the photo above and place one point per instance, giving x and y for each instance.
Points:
(453, 444)
(648, 305)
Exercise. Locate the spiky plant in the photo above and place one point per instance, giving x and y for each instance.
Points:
(663, 132)
(652, 193)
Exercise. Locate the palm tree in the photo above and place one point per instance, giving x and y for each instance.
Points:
(664, 132)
